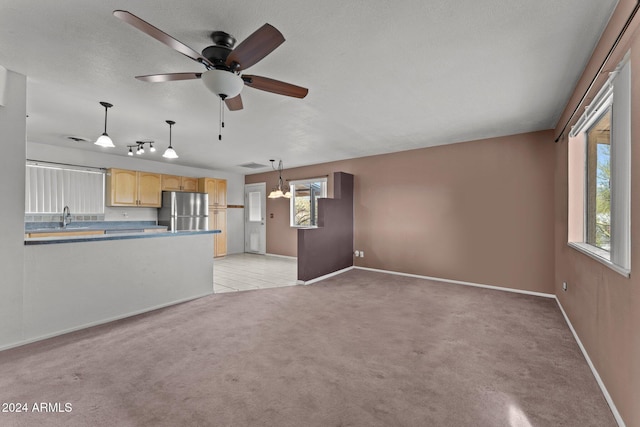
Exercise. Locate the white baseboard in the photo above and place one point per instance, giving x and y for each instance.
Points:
(604, 390)
(282, 256)
(326, 276)
(100, 322)
(459, 282)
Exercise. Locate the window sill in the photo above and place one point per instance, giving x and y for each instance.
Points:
(599, 255)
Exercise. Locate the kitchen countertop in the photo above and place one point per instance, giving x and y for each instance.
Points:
(55, 227)
(113, 230)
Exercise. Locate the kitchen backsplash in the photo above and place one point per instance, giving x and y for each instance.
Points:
(58, 218)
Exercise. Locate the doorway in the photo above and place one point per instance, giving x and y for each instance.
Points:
(255, 229)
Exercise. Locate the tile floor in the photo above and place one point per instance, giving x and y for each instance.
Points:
(242, 272)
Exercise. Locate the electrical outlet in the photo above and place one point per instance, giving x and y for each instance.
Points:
(564, 286)
(357, 254)
(361, 254)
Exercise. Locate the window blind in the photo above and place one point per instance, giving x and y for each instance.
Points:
(48, 189)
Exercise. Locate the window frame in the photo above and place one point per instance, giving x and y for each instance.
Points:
(616, 96)
(292, 200)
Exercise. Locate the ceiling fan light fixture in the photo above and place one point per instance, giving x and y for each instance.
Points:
(223, 83)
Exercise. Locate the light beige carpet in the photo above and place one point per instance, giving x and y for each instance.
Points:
(360, 349)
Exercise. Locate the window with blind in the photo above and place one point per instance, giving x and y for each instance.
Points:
(599, 166)
(49, 188)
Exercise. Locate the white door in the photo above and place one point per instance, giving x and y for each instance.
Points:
(255, 211)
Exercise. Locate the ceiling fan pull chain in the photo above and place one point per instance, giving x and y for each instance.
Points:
(221, 123)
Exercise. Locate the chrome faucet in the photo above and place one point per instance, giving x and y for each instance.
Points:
(66, 216)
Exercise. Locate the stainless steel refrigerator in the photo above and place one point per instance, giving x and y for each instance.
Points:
(182, 211)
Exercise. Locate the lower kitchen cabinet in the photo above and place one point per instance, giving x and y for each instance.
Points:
(218, 221)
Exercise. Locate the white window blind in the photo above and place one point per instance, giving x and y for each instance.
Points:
(49, 188)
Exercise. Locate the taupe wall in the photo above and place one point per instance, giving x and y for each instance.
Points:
(603, 306)
(477, 211)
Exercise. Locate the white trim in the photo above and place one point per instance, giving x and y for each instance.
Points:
(292, 199)
(593, 253)
(606, 394)
(326, 276)
(279, 256)
(102, 322)
(620, 179)
(458, 282)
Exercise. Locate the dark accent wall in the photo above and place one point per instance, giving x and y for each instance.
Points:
(329, 247)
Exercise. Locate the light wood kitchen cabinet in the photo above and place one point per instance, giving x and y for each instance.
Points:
(133, 188)
(217, 190)
(179, 183)
(218, 221)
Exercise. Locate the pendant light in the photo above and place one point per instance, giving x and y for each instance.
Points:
(170, 153)
(104, 140)
(278, 191)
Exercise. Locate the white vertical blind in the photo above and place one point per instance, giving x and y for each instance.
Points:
(48, 189)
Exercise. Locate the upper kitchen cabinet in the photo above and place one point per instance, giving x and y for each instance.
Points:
(133, 188)
(217, 190)
(179, 183)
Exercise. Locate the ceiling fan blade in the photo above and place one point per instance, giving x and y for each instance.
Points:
(255, 47)
(159, 78)
(275, 86)
(160, 35)
(234, 104)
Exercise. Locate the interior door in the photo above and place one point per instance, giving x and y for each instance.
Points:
(255, 211)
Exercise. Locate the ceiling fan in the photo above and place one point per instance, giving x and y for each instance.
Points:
(222, 61)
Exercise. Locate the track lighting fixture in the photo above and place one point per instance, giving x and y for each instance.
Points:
(139, 146)
(170, 153)
(104, 140)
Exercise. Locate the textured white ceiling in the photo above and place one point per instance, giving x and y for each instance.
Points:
(382, 76)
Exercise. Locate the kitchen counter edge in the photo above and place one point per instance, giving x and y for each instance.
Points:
(120, 236)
